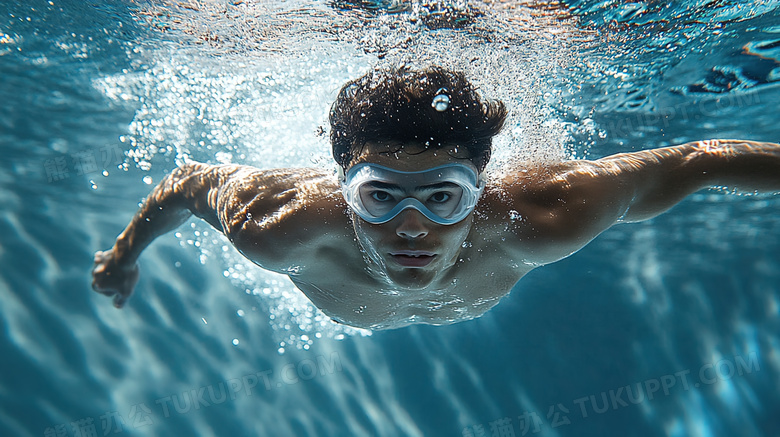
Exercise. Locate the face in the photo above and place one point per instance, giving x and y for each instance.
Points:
(411, 250)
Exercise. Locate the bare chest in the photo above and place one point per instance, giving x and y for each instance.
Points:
(351, 292)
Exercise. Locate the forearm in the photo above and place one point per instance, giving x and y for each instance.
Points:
(190, 189)
(741, 165)
(660, 178)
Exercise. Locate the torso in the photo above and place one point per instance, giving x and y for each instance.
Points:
(314, 243)
(342, 284)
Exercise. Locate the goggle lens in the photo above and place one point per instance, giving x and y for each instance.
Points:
(445, 194)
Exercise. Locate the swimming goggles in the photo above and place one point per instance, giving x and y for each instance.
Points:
(444, 194)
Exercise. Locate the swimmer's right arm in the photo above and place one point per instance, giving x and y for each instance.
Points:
(254, 208)
(189, 189)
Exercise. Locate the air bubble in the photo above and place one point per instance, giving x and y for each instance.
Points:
(441, 102)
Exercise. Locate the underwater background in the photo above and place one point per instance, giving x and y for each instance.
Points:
(665, 327)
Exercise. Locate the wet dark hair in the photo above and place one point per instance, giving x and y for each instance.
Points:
(397, 105)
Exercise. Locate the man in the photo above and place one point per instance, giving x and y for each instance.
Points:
(411, 230)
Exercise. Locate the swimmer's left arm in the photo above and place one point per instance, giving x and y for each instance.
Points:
(658, 179)
(569, 204)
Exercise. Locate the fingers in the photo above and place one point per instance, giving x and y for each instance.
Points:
(100, 266)
(111, 280)
(101, 256)
(119, 300)
(98, 270)
(104, 291)
(100, 281)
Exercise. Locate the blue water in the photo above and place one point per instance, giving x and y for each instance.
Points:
(666, 327)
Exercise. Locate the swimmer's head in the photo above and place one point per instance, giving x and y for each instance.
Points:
(434, 108)
(412, 210)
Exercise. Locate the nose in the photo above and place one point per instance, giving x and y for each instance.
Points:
(411, 225)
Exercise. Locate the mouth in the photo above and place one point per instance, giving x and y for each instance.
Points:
(413, 258)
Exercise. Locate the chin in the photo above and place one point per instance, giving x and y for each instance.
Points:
(415, 278)
(412, 278)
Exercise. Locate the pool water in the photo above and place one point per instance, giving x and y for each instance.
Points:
(666, 327)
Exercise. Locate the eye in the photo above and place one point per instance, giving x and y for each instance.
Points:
(440, 197)
(381, 196)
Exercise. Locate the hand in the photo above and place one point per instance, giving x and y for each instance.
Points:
(112, 279)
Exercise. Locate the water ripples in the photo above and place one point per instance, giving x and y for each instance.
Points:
(251, 82)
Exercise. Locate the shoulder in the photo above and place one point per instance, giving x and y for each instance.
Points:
(545, 213)
(538, 195)
(276, 217)
(273, 197)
